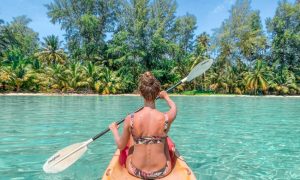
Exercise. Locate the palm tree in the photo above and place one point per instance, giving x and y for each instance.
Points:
(233, 80)
(217, 80)
(5, 76)
(219, 76)
(284, 82)
(218, 84)
(52, 53)
(19, 74)
(16, 67)
(92, 74)
(75, 76)
(40, 81)
(258, 78)
(109, 82)
(57, 77)
(234, 77)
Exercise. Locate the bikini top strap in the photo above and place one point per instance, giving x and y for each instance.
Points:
(131, 121)
(166, 122)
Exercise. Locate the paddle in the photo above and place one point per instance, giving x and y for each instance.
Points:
(67, 156)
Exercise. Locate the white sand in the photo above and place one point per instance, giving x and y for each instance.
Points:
(77, 94)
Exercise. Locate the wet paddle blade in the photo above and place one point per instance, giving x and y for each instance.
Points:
(65, 157)
(199, 69)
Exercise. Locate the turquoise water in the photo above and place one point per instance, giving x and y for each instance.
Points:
(220, 137)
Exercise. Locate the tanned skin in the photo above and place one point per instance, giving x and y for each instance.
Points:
(147, 122)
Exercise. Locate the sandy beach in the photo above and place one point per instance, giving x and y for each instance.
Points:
(62, 94)
(78, 94)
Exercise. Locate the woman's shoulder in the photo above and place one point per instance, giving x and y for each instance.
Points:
(127, 120)
(158, 113)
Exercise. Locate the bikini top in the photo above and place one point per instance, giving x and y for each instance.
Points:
(149, 139)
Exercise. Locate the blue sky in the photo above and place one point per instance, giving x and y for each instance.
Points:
(209, 13)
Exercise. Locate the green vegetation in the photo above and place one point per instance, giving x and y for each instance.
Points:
(109, 43)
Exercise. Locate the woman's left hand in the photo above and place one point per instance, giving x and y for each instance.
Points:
(113, 126)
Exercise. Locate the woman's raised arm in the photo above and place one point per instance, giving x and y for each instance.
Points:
(173, 110)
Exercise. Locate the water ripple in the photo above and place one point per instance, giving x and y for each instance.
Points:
(220, 137)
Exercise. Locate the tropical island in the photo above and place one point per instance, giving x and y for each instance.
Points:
(108, 44)
(70, 68)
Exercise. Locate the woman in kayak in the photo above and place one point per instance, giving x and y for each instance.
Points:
(148, 130)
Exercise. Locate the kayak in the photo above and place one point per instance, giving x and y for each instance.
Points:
(115, 171)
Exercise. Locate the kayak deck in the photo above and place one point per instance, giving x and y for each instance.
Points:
(115, 171)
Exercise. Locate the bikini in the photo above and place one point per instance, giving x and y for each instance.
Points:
(148, 140)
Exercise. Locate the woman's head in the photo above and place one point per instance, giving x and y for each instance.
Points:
(149, 86)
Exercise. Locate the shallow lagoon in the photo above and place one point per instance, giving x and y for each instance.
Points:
(220, 137)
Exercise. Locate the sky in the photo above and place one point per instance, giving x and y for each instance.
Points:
(209, 13)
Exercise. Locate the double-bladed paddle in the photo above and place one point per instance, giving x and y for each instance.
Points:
(67, 156)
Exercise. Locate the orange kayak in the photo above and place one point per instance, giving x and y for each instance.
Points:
(115, 171)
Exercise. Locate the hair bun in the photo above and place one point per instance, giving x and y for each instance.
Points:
(149, 86)
(148, 79)
(148, 74)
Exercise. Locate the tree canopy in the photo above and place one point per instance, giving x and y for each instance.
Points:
(109, 43)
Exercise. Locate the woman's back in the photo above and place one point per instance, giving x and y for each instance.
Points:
(148, 129)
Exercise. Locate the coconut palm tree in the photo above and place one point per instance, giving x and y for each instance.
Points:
(258, 78)
(284, 82)
(57, 77)
(233, 77)
(13, 73)
(217, 81)
(76, 77)
(109, 83)
(52, 53)
(19, 74)
(233, 80)
(92, 73)
(40, 81)
(5, 76)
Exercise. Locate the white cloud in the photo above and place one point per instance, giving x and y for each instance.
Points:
(218, 9)
(223, 6)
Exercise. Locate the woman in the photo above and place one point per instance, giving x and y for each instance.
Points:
(147, 129)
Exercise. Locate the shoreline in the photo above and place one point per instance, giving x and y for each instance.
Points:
(198, 95)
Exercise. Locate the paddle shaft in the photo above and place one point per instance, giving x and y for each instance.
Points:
(67, 156)
(122, 120)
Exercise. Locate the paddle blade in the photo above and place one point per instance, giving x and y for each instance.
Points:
(65, 157)
(199, 69)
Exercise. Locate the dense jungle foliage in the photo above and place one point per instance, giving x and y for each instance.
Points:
(109, 43)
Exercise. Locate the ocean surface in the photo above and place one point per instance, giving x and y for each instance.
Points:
(219, 137)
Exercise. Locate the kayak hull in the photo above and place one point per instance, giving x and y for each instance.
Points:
(115, 171)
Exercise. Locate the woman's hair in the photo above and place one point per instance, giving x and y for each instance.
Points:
(149, 86)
